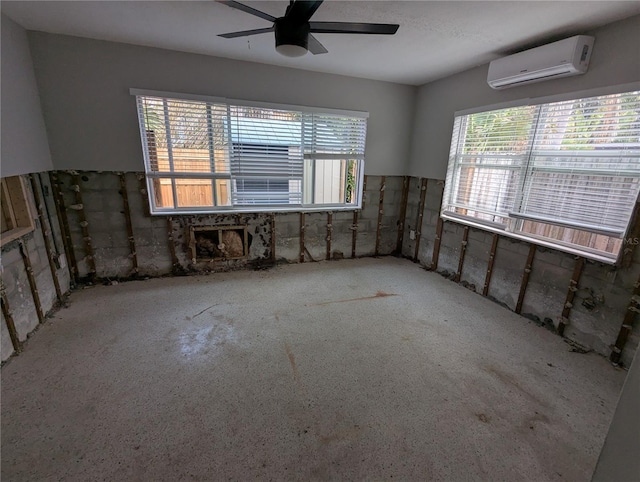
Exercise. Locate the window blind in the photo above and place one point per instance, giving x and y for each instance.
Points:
(584, 169)
(572, 164)
(266, 159)
(488, 155)
(202, 154)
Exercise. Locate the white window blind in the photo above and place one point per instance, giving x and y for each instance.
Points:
(215, 156)
(568, 171)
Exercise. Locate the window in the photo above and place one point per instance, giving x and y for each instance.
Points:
(565, 174)
(208, 155)
(16, 217)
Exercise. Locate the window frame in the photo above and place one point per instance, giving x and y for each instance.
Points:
(213, 176)
(15, 205)
(517, 219)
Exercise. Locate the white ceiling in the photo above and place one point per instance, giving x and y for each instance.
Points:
(435, 39)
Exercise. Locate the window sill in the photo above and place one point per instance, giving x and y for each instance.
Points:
(14, 234)
(252, 210)
(533, 240)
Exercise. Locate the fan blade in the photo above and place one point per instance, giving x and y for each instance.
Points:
(302, 11)
(247, 9)
(246, 33)
(351, 27)
(315, 47)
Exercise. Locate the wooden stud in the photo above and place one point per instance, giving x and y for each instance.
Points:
(329, 232)
(463, 250)
(32, 280)
(43, 192)
(438, 239)
(571, 293)
(142, 186)
(127, 218)
(631, 239)
(8, 318)
(61, 212)
(525, 277)
(45, 227)
(403, 214)
(423, 196)
(492, 258)
(436, 245)
(627, 324)
(172, 246)
(273, 237)
(302, 248)
(380, 214)
(354, 233)
(364, 189)
(84, 225)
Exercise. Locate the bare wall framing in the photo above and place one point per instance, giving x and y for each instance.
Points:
(35, 274)
(537, 288)
(113, 236)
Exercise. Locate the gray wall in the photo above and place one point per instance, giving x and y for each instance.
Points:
(24, 139)
(91, 117)
(615, 60)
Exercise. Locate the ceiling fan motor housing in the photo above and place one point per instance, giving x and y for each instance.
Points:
(290, 32)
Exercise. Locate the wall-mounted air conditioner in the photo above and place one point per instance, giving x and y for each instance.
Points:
(558, 59)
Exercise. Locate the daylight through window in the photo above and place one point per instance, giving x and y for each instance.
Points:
(216, 156)
(566, 173)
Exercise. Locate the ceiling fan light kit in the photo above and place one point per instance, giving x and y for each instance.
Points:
(292, 39)
(293, 30)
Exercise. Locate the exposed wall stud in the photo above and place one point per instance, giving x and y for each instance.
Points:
(84, 225)
(492, 258)
(403, 214)
(329, 232)
(380, 214)
(364, 189)
(438, 239)
(172, 246)
(302, 249)
(571, 293)
(423, 196)
(525, 277)
(8, 318)
(631, 238)
(142, 186)
(45, 227)
(273, 237)
(436, 245)
(32, 279)
(127, 217)
(61, 212)
(627, 324)
(354, 234)
(44, 193)
(463, 250)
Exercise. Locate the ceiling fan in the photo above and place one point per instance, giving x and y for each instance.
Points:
(293, 31)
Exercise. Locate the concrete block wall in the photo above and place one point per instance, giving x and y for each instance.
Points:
(599, 306)
(17, 289)
(103, 216)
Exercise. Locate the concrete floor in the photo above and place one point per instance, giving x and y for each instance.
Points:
(354, 370)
